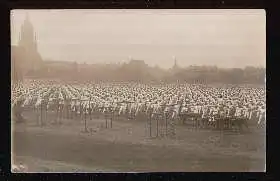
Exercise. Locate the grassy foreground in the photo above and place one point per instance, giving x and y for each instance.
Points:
(124, 148)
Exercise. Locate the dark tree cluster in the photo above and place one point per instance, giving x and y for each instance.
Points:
(138, 71)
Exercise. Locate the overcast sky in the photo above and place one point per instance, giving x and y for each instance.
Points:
(226, 38)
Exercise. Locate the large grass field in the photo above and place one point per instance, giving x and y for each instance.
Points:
(126, 147)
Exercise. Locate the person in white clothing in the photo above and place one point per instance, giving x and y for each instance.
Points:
(261, 115)
(238, 112)
(204, 112)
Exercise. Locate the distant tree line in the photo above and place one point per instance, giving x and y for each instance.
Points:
(248, 75)
(140, 72)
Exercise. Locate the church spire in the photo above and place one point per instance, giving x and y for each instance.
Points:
(28, 41)
(175, 66)
(27, 35)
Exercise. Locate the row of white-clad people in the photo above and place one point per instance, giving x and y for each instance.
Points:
(205, 111)
(103, 95)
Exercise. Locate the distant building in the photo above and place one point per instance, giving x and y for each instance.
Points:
(135, 70)
(54, 66)
(16, 71)
(57, 63)
(138, 63)
(175, 67)
(25, 55)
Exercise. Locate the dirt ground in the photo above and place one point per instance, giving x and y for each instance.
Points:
(126, 147)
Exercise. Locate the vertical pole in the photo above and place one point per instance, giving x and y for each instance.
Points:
(46, 111)
(75, 111)
(221, 127)
(57, 111)
(150, 124)
(112, 119)
(37, 116)
(62, 112)
(59, 114)
(157, 127)
(173, 127)
(193, 121)
(71, 112)
(196, 123)
(85, 121)
(67, 109)
(90, 109)
(166, 125)
(41, 114)
(57, 108)
(80, 115)
(105, 117)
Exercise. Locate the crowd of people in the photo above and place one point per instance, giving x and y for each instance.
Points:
(126, 98)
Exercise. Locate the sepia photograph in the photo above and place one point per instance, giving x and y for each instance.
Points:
(138, 90)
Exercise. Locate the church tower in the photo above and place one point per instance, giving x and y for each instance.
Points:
(175, 66)
(28, 42)
(27, 37)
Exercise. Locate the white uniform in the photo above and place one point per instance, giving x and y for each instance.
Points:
(184, 109)
(122, 108)
(176, 110)
(246, 113)
(38, 103)
(204, 112)
(211, 113)
(227, 112)
(222, 113)
(199, 109)
(237, 112)
(215, 112)
(261, 115)
(139, 106)
(250, 114)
